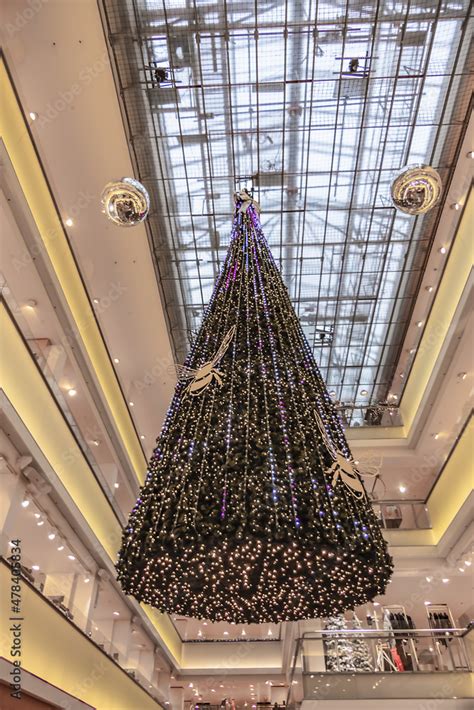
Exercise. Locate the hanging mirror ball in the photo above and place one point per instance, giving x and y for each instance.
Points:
(126, 202)
(416, 189)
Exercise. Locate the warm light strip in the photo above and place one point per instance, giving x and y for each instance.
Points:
(453, 282)
(30, 397)
(54, 650)
(20, 148)
(455, 276)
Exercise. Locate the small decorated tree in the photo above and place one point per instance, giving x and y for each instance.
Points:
(362, 657)
(339, 651)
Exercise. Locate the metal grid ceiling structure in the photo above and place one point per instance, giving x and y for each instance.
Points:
(315, 105)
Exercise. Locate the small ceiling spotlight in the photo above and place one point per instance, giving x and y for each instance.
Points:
(116, 360)
(51, 535)
(462, 375)
(412, 351)
(25, 503)
(427, 603)
(429, 288)
(442, 250)
(142, 436)
(456, 206)
(35, 567)
(419, 324)
(95, 442)
(96, 301)
(116, 613)
(364, 393)
(436, 436)
(31, 304)
(470, 154)
(429, 579)
(468, 563)
(33, 115)
(86, 580)
(116, 485)
(461, 569)
(40, 523)
(402, 488)
(131, 404)
(68, 222)
(72, 392)
(445, 580)
(71, 557)
(60, 548)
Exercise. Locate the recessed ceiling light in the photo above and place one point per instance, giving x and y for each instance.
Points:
(68, 222)
(445, 580)
(226, 633)
(72, 392)
(442, 250)
(60, 547)
(467, 563)
(96, 301)
(412, 351)
(436, 436)
(116, 360)
(25, 503)
(131, 404)
(51, 536)
(364, 393)
(37, 515)
(31, 304)
(429, 288)
(243, 633)
(427, 603)
(402, 489)
(33, 115)
(470, 154)
(40, 522)
(87, 580)
(420, 324)
(116, 485)
(190, 685)
(116, 613)
(429, 579)
(462, 375)
(142, 436)
(71, 557)
(212, 690)
(455, 206)
(95, 442)
(376, 604)
(461, 569)
(204, 623)
(35, 567)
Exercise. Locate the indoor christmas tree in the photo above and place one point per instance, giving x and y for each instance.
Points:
(338, 651)
(363, 660)
(252, 509)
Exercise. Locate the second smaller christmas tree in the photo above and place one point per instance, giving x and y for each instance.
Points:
(361, 652)
(339, 651)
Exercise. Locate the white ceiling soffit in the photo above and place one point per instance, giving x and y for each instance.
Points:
(62, 74)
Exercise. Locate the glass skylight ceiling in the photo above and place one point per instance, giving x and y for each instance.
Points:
(262, 95)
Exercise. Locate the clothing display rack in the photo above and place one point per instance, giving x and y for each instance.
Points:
(439, 619)
(405, 646)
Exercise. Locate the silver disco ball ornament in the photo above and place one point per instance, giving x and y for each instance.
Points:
(416, 189)
(126, 202)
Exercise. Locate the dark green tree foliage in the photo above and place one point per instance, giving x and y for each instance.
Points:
(252, 509)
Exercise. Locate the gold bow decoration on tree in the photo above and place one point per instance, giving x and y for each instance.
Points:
(247, 200)
(342, 467)
(202, 377)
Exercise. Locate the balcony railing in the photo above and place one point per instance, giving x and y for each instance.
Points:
(402, 515)
(434, 663)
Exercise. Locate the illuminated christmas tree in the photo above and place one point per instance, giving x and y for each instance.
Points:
(253, 509)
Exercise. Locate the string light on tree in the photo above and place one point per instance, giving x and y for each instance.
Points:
(253, 509)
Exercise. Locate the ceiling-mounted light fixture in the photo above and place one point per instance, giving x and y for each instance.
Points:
(126, 202)
(416, 189)
(442, 250)
(68, 222)
(455, 206)
(25, 502)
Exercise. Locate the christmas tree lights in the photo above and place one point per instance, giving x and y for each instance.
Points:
(252, 510)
